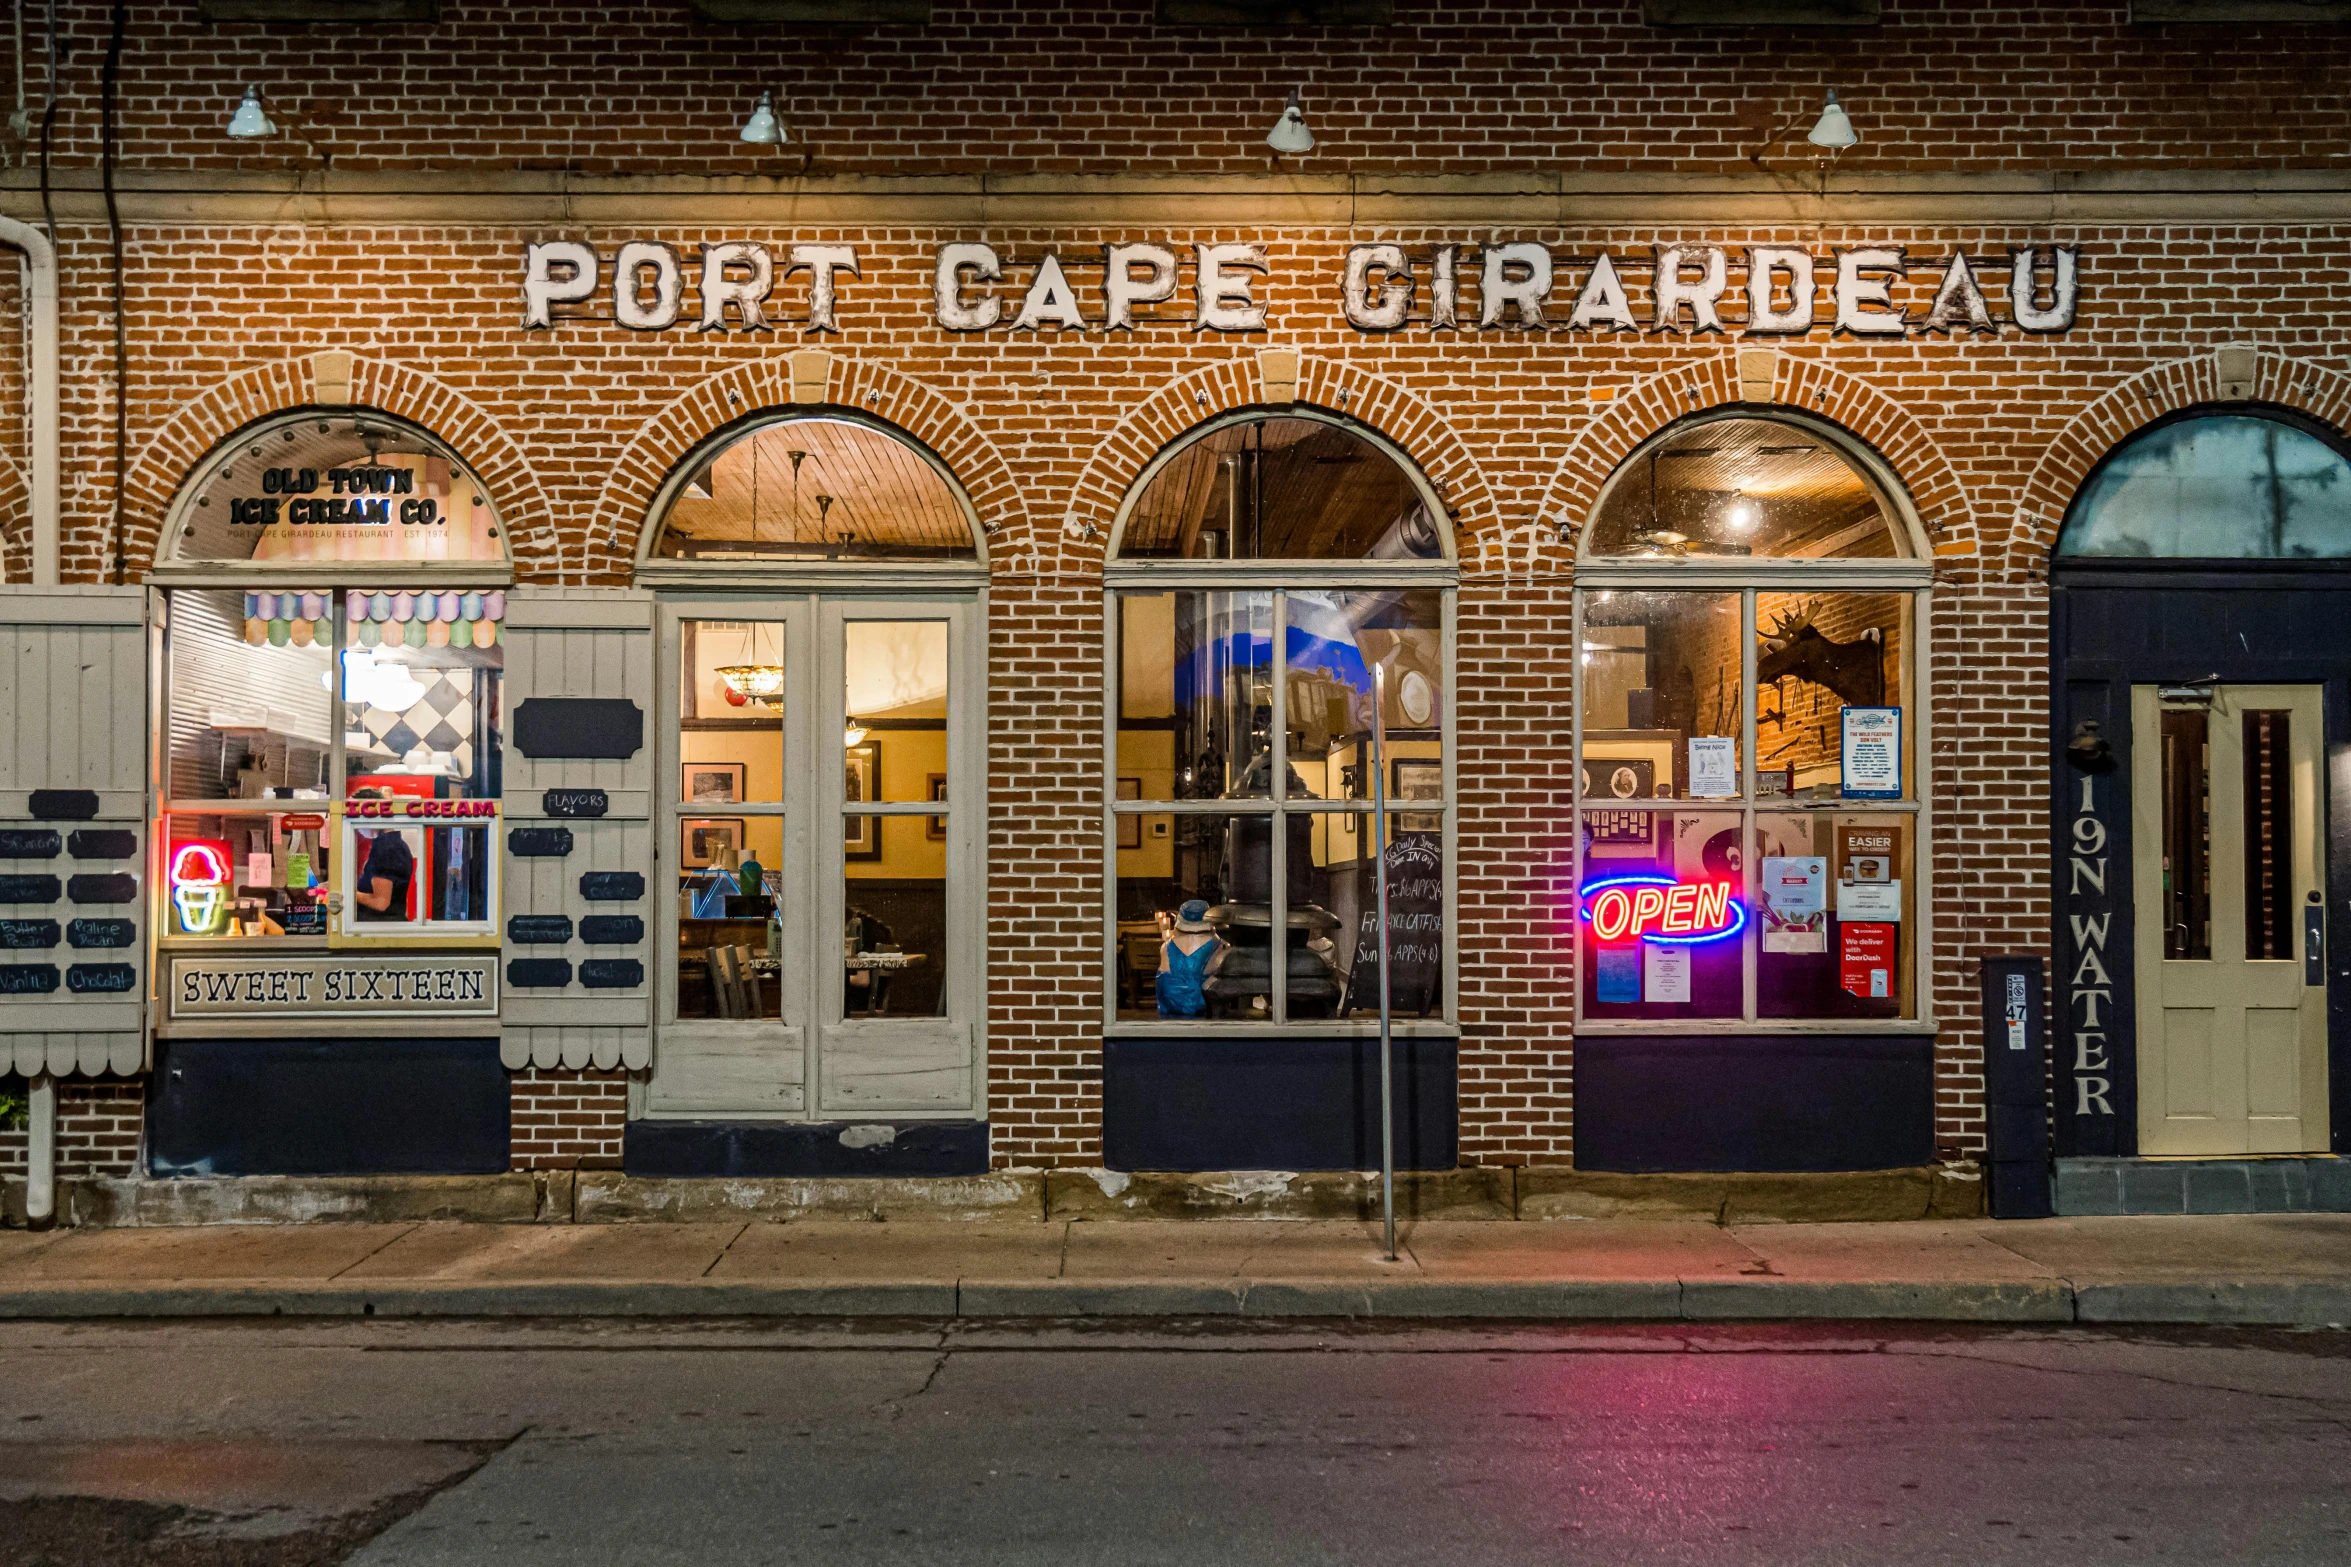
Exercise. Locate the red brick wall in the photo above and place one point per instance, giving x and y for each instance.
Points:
(572, 429)
(568, 1120)
(1000, 88)
(97, 1129)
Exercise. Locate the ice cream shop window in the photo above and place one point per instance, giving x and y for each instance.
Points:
(333, 667)
(1749, 736)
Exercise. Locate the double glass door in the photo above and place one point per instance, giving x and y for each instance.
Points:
(817, 845)
(2231, 939)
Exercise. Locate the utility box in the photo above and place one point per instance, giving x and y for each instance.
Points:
(2016, 1072)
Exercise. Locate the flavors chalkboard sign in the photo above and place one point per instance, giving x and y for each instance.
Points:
(1416, 930)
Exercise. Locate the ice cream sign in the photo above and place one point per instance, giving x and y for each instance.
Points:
(200, 884)
(1663, 910)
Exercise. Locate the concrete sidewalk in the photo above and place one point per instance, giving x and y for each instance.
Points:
(2265, 1269)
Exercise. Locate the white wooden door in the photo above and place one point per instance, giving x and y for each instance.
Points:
(2227, 820)
(830, 741)
(899, 994)
(736, 695)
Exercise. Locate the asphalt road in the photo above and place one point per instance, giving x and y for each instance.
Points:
(520, 1444)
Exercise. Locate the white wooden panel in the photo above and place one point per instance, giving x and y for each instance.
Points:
(87, 1032)
(575, 1047)
(716, 1069)
(73, 693)
(912, 1066)
(580, 642)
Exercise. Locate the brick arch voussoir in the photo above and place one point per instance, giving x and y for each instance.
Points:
(282, 386)
(16, 523)
(1944, 504)
(624, 507)
(1193, 399)
(2138, 401)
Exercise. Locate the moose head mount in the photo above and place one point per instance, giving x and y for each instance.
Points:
(1855, 671)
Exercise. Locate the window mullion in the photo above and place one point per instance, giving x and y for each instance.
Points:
(1277, 790)
(1750, 941)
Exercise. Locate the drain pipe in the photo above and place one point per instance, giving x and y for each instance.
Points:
(40, 288)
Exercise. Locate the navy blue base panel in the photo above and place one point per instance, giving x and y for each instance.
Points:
(1275, 1104)
(1654, 1104)
(879, 1147)
(327, 1107)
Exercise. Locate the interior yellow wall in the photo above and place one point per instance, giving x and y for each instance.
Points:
(1149, 755)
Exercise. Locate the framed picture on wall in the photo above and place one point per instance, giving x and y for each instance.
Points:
(1418, 780)
(712, 783)
(935, 827)
(1130, 828)
(861, 836)
(707, 840)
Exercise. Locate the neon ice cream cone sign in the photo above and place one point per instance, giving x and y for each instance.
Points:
(200, 886)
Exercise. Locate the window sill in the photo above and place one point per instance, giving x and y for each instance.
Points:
(1309, 1028)
(1792, 1027)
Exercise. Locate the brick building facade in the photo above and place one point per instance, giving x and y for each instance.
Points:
(371, 257)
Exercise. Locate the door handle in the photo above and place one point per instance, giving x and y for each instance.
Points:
(2314, 942)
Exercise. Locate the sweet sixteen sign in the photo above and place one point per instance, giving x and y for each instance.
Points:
(1783, 290)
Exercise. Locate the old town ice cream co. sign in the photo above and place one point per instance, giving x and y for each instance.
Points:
(1781, 290)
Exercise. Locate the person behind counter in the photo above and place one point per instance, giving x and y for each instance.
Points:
(1189, 944)
(381, 889)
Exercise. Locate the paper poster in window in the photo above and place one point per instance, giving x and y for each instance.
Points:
(1866, 960)
(1619, 973)
(1665, 973)
(1714, 767)
(1795, 903)
(1872, 753)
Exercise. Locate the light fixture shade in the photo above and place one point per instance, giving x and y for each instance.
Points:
(755, 682)
(1289, 133)
(1833, 130)
(854, 734)
(251, 120)
(763, 127)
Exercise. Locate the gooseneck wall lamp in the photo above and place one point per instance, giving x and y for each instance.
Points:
(1289, 134)
(763, 128)
(1834, 129)
(251, 121)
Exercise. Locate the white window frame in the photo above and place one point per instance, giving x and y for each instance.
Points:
(1913, 575)
(1276, 578)
(345, 930)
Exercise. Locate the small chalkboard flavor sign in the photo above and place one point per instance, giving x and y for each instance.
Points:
(575, 802)
(1416, 930)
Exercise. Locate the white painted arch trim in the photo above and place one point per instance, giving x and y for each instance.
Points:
(170, 568)
(1252, 415)
(654, 568)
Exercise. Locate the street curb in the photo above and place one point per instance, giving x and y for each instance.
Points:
(2244, 1303)
(2263, 1304)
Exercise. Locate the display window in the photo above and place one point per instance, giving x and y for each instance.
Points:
(331, 752)
(1749, 734)
(1261, 714)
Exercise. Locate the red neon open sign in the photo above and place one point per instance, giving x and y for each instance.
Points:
(1660, 909)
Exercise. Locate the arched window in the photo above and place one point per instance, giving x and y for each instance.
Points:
(1749, 618)
(2216, 486)
(1281, 487)
(1283, 603)
(1742, 488)
(334, 640)
(789, 486)
(329, 488)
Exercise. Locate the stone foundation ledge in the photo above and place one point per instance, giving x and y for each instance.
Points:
(1489, 1192)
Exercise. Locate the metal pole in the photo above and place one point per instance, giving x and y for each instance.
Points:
(1379, 806)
